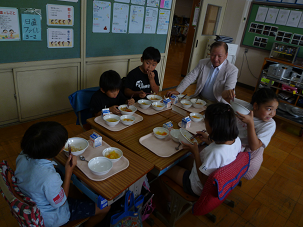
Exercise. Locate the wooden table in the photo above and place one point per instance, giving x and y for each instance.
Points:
(148, 120)
(115, 185)
(161, 164)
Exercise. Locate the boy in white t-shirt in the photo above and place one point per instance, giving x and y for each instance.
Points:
(257, 128)
(220, 122)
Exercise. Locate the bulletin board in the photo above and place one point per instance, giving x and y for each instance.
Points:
(262, 35)
(22, 51)
(113, 44)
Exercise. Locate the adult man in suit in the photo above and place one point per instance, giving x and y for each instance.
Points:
(216, 77)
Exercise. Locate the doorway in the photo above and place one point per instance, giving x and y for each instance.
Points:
(180, 39)
(204, 23)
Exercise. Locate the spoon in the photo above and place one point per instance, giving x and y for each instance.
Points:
(82, 158)
(177, 148)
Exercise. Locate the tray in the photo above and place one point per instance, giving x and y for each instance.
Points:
(149, 110)
(163, 148)
(195, 126)
(120, 126)
(90, 153)
(191, 109)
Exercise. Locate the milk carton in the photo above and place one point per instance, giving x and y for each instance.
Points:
(186, 122)
(168, 125)
(167, 102)
(174, 99)
(105, 112)
(95, 140)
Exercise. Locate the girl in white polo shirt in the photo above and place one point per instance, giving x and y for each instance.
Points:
(220, 122)
(257, 128)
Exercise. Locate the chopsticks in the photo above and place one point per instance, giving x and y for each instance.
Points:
(70, 152)
(183, 97)
(194, 136)
(233, 96)
(130, 98)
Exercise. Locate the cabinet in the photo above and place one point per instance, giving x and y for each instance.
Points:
(286, 79)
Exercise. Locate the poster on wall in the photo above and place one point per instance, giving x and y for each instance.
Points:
(150, 23)
(136, 19)
(166, 4)
(271, 15)
(138, 2)
(101, 17)
(9, 24)
(69, 0)
(60, 38)
(261, 14)
(31, 24)
(282, 16)
(60, 15)
(125, 1)
(294, 18)
(120, 18)
(153, 3)
(163, 21)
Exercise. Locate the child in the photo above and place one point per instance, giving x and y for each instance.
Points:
(38, 179)
(144, 79)
(109, 95)
(257, 128)
(220, 122)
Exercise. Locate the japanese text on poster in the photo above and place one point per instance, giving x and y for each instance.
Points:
(60, 38)
(150, 24)
(60, 15)
(101, 16)
(163, 21)
(120, 18)
(9, 24)
(138, 2)
(31, 27)
(136, 19)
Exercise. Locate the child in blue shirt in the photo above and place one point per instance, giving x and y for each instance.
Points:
(109, 94)
(37, 178)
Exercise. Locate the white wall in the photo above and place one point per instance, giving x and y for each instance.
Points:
(183, 8)
(233, 26)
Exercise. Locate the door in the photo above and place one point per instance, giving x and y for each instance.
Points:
(209, 25)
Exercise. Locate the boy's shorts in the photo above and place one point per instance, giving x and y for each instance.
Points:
(186, 184)
(80, 208)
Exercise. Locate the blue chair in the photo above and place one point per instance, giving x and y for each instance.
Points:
(80, 102)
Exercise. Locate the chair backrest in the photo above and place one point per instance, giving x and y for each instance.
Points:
(80, 102)
(23, 208)
(221, 183)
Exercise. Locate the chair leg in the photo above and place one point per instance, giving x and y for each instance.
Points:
(211, 217)
(240, 183)
(229, 203)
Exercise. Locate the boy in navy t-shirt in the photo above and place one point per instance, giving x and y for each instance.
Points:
(109, 94)
(144, 79)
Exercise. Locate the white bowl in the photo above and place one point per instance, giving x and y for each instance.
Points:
(185, 136)
(100, 165)
(107, 151)
(160, 130)
(196, 117)
(146, 104)
(239, 108)
(154, 98)
(127, 119)
(186, 103)
(198, 103)
(124, 112)
(109, 119)
(78, 144)
(185, 98)
(158, 105)
(174, 134)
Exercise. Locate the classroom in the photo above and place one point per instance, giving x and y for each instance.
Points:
(39, 75)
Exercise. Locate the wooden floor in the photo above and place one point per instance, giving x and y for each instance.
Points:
(273, 198)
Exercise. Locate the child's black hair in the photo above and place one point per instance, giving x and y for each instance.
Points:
(110, 81)
(222, 121)
(44, 140)
(263, 95)
(151, 53)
